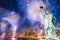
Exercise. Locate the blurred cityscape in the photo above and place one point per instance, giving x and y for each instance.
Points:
(30, 34)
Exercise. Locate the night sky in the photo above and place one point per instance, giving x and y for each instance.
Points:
(19, 6)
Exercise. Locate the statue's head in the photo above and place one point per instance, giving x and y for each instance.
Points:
(47, 12)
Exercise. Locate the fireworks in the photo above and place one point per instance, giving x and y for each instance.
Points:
(37, 15)
(3, 25)
(12, 18)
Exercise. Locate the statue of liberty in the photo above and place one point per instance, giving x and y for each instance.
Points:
(49, 25)
(48, 21)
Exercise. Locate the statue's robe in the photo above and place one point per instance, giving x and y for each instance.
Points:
(49, 27)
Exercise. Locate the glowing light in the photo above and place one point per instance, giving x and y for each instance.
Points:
(41, 31)
(3, 35)
(14, 17)
(14, 32)
(3, 25)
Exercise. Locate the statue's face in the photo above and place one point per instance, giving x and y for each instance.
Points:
(47, 12)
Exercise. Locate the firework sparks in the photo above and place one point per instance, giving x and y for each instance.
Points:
(3, 25)
(13, 20)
